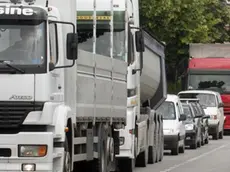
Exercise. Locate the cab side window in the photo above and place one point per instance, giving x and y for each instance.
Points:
(53, 42)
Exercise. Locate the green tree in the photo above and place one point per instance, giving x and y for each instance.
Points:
(180, 22)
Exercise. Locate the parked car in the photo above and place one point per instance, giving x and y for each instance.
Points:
(213, 106)
(192, 125)
(173, 124)
(204, 122)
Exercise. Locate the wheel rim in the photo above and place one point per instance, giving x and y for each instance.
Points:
(67, 162)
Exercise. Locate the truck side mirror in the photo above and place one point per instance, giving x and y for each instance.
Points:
(140, 46)
(72, 46)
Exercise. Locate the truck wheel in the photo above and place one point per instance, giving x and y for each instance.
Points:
(175, 151)
(152, 155)
(126, 165)
(103, 162)
(67, 158)
(142, 158)
(162, 151)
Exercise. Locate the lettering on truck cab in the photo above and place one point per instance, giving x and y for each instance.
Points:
(7, 10)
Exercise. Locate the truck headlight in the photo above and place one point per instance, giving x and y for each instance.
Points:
(189, 126)
(28, 167)
(32, 150)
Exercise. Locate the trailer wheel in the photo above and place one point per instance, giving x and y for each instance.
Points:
(67, 158)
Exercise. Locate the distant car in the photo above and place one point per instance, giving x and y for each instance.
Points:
(213, 106)
(192, 125)
(173, 124)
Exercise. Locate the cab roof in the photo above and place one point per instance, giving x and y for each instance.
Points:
(199, 91)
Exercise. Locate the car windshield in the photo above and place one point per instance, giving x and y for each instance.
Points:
(219, 83)
(188, 112)
(207, 100)
(22, 44)
(167, 109)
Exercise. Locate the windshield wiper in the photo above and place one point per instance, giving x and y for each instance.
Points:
(10, 66)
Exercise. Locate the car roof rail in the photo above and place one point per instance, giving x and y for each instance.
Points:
(188, 100)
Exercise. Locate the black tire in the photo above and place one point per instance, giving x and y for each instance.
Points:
(194, 144)
(206, 140)
(199, 144)
(142, 158)
(221, 134)
(162, 150)
(216, 135)
(126, 165)
(67, 158)
(202, 139)
(182, 148)
(175, 151)
(152, 154)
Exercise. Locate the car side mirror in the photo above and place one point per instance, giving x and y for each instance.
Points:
(140, 46)
(198, 116)
(206, 117)
(221, 105)
(72, 46)
(183, 117)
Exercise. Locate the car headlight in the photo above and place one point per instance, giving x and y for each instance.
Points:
(213, 117)
(32, 150)
(189, 126)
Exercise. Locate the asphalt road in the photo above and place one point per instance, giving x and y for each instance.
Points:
(214, 157)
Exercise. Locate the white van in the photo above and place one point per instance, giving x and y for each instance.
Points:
(212, 104)
(173, 124)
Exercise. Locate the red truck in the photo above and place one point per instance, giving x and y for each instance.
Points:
(209, 68)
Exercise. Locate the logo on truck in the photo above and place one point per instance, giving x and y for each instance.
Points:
(7, 10)
(16, 97)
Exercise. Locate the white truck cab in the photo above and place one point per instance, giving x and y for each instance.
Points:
(173, 124)
(212, 104)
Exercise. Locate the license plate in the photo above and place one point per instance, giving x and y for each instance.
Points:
(188, 137)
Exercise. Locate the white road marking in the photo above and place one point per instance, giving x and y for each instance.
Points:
(193, 159)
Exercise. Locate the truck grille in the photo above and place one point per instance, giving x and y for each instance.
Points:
(13, 114)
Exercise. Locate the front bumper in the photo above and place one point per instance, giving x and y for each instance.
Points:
(190, 137)
(170, 141)
(14, 163)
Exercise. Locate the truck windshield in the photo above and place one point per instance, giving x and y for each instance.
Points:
(219, 83)
(207, 100)
(167, 109)
(22, 44)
